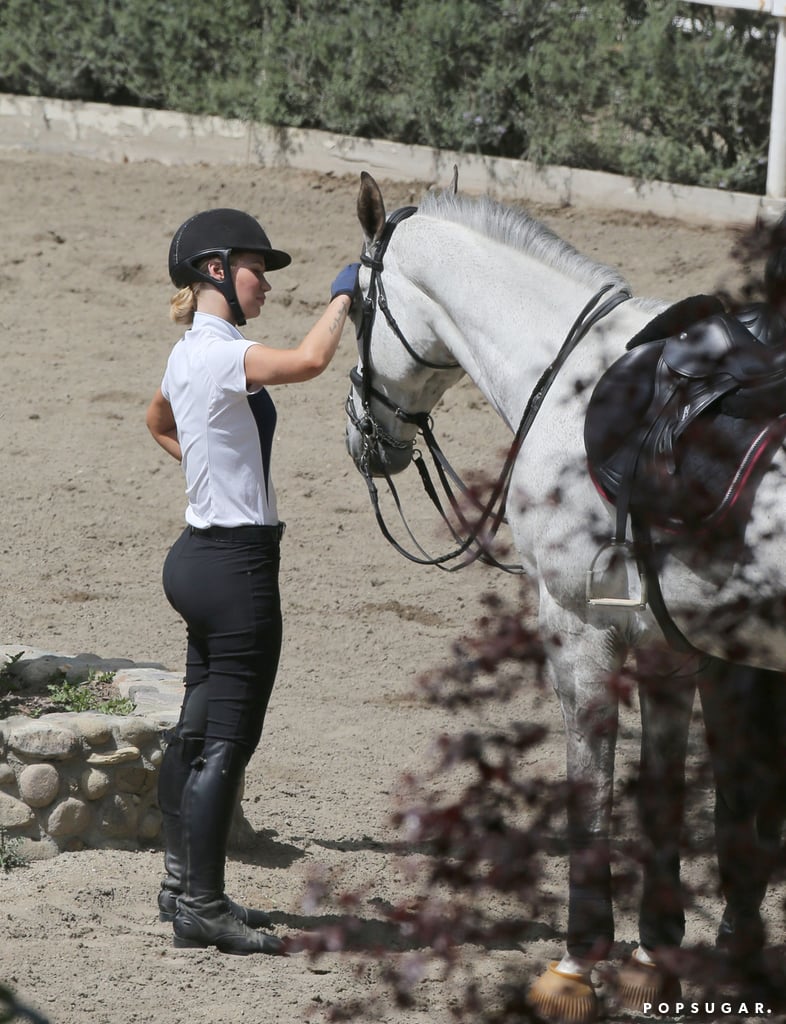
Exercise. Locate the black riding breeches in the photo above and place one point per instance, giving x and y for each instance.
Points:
(227, 591)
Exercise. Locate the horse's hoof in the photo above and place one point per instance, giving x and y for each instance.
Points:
(741, 935)
(563, 998)
(646, 988)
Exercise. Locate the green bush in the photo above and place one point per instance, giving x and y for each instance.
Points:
(659, 89)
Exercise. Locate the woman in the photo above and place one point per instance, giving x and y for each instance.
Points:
(214, 414)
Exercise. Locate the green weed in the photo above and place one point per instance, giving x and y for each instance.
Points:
(7, 681)
(10, 857)
(82, 695)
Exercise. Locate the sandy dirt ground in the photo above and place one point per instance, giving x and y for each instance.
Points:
(90, 506)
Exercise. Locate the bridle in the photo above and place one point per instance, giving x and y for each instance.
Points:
(377, 299)
(475, 545)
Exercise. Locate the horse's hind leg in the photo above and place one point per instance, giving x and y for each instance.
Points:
(769, 730)
(743, 723)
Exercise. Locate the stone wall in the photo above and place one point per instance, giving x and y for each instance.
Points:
(80, 779)
(84, 779)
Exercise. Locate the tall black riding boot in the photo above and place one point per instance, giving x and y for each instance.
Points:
(180, 753)
(204, 916)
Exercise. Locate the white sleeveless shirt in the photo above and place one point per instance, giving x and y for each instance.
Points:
(225, 432)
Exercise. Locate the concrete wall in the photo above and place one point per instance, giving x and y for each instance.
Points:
(131, 133)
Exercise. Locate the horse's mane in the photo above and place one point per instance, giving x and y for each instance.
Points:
(519, 230)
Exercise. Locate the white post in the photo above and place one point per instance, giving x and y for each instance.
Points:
(776, 157)
(776, 161)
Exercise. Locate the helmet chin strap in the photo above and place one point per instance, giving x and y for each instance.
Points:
(225, 286)
(227, 289)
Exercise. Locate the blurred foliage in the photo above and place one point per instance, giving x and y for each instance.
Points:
(481, 827)
(650, 88)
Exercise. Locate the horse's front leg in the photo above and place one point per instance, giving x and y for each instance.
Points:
(590, 715)
(581, 663)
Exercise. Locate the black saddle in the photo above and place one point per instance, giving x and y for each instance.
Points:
(678, 429)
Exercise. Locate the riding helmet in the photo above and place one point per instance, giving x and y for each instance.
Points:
(217, 233)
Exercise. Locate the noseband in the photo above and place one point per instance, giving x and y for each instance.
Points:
(481, 533)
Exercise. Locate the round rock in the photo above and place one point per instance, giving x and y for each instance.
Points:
(14, 813)
(95, 783)
(39, 784)
(68, 818)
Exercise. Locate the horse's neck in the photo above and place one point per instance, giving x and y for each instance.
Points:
(506, 327)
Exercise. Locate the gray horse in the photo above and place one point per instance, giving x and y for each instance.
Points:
(470, 286)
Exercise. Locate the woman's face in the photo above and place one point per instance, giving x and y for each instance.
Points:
(251, 285)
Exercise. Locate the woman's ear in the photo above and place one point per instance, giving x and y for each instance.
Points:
(215, 268)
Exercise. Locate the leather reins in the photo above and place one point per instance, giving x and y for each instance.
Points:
(480, 534)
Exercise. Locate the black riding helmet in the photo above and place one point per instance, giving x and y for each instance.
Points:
(218, 233)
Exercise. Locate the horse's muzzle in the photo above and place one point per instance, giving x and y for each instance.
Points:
(372, 456)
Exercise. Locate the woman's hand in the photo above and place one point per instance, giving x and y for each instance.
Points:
(346, 283)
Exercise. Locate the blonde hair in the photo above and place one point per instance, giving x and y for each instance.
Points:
(183, 304)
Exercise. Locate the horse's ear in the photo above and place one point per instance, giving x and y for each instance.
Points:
(454, 182)
(371, 209)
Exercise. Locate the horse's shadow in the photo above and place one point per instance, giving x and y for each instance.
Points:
(366, 934)
(265, 850)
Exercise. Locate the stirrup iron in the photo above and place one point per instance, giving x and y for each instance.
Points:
(622, 548)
